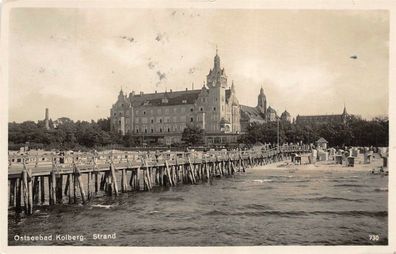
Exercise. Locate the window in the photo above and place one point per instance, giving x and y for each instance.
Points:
(145, 130)
(214, 109)
(144, 112)
(160, 120)
(191, 109)
(168, 130)
(160, 129)
(191, 119)
(159, 111)
(152, 120)
(152, 130)
(137, 130)
(201, 109)
(184, 101)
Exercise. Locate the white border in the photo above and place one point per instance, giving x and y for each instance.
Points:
(230, 4)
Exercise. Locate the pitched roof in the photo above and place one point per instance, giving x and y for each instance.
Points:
(271, 110)
(285, 113)
(252, 113)
(172, 98)
(322, 140)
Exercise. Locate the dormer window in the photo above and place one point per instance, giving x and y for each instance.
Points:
(184, 101)
(164, 100)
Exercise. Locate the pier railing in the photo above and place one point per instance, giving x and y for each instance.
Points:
(40, 179)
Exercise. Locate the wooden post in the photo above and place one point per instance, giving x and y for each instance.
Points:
(137, 178)
(42, 189)
(74, 188)
(18, 206)
(69, 187)
(89, 176)
(53, 187)
(123, 181)
(59, 186)
(96, 181)
(28, 190)
(170, 178)
(12, 192)
(36, 190)
(114, 179)
(77, 174)
(24, 190)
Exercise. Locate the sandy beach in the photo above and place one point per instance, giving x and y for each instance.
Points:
(376, 163)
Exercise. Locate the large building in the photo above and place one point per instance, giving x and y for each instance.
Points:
(261, 113)
(162, 117)
(323, 119)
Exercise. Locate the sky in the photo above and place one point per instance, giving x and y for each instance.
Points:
(75, 61)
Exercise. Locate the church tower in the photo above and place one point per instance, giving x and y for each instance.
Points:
(262, 102)
(216, 76)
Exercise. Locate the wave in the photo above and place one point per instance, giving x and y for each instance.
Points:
(258, 207)
(171, 199)
(329, 199)
(343, 180)
(262, 180)
(103, 206)
(349, 185)
(292, 180)
(299, 213)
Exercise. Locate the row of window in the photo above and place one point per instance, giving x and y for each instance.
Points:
(165, 111)
(160, 120)
(174, 128)
(159, 111)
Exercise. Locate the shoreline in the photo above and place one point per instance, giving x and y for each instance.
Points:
(330, 164)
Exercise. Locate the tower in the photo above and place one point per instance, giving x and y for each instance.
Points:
(46, 119)
(262, 102)
(216, 76)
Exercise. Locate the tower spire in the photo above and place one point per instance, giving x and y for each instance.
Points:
(344, 112)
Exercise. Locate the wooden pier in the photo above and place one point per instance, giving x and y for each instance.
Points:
(51, 179)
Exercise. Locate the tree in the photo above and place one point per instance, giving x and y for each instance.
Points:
(193, 135)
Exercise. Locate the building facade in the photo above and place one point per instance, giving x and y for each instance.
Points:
(259, 114)
(323, 119)
(162, 117)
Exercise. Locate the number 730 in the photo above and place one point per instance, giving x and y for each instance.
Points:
(374, 237)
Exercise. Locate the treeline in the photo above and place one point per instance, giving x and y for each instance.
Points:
(67, 135)
(83, 135)
(355, 132)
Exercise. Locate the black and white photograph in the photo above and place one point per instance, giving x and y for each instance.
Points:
(196, 125)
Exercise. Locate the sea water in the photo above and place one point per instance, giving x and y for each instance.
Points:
(261, 207)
